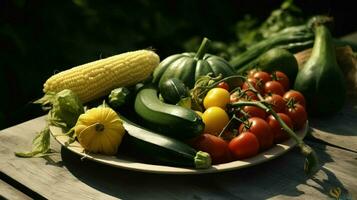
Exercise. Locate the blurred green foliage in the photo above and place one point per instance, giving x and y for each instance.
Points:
(250, 30)
(39, 38)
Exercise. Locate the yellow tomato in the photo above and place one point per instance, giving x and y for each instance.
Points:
(215, 119)
(216, 97)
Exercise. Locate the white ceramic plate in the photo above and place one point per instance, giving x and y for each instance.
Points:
(132, 164)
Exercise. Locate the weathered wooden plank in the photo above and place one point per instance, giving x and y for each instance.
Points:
(9, 192)
(46, 177)
(341, 129)
(352, 37)
(67, 176)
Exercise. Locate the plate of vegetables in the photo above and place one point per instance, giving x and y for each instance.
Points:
(195, 115)
(131, 163)
(236, 128)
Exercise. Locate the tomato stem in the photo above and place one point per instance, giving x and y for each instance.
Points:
(229, 124)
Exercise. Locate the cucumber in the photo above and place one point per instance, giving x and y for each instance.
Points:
(171, 120)
(162, 148)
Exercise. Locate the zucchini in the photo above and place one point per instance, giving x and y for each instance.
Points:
(171, 120)
(161, 148)
(294, 34)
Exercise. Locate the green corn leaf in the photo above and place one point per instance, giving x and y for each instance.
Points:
(40, 145)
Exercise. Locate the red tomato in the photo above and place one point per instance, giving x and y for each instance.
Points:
(282, 78)
(296, 96)
(277, 102)
(261, 129)
(255, 83)
(298, 115)
(223, 85)
(262, 76)
(251, 73)
(254, 111)
(234, 97)
(245, 145)
(274, 87)
(279, 134)
(249, 95)
(214, 145)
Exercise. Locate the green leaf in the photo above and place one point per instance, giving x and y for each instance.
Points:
(40, 145)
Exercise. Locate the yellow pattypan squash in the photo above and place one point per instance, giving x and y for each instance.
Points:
(100, 130)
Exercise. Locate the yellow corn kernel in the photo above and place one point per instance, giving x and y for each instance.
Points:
(96, 79)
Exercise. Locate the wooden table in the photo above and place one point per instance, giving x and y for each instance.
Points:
(65, 175)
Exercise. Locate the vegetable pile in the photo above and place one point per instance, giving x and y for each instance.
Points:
(198, 109)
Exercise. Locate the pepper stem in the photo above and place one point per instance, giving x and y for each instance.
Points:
(203, 48)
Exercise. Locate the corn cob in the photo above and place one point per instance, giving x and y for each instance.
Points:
(96, 79)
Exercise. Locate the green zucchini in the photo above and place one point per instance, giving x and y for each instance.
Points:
(294, 34)
(160, 148)
(171, 120)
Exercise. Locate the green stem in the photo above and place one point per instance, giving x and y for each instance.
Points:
(203, 48)
(234, 118)
(276, 116)
(222, 80)
(251, 88)
(205, 89)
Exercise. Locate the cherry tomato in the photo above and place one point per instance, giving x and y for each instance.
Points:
(216, 97)
(282, 78)
(274, 87)
(254, 111)
(215, 119)
(261, 129)
(279, 134)
(215, 146)
(234, 97)
(251, 73)
(298, 115)
(223, 85)
(277, 102)
(249, 95)
(262, 76)
(255, 83)
(243, 95)
(296, 96)
(245, 145)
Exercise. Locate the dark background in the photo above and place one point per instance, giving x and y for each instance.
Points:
(38, 38)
